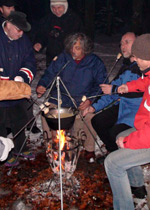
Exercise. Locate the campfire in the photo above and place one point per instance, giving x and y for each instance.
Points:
(62, 150)
(70, 150)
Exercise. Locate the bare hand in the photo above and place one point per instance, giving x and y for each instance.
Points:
(84, 105)
(40, 91)
(89, 109)
(37, 47)
(123, 89)
(119, 142)
(106, 88)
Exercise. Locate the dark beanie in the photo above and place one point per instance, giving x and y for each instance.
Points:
(7, 3)
(19, 19)
(141, 47)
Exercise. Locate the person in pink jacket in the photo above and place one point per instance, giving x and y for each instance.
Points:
(134, 149)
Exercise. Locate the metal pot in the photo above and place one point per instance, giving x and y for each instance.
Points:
(67, 118)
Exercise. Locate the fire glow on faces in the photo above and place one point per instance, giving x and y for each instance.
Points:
(142, 64)
(13, 32)
(58, 10)
(6, 10)
(126, 44)
(77, 51)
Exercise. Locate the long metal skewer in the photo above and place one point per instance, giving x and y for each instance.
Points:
(33, 118)
(73, 101)
(82, 118)
(108, 75)
(96, 96)
(51, 84)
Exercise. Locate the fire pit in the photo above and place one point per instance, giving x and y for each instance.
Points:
(62, 151)
(70, 150)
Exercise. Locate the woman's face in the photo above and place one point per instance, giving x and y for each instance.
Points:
(77, 51)
(58, 10)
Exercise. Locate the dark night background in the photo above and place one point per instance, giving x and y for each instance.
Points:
(99, 16)
(109, 18)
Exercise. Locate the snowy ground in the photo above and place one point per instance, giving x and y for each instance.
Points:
(107, 49)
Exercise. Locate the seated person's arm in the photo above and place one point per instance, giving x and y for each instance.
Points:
(106, 88)
(40, 91)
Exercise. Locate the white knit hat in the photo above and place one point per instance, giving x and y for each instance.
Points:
(59, 2)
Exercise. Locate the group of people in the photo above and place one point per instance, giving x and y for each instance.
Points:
(134, 143)
(17, 62)
(69, 55)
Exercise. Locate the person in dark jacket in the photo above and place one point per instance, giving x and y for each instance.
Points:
(81, 76)
(60, 22)
(6, 7)
(17, 63)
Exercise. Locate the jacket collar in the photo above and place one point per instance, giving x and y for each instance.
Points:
(146, 71)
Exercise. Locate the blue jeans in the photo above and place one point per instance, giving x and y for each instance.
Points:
(135, 174)
(118, 165)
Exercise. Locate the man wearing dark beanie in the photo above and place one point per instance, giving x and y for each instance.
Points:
(135, 145)
(141, 48)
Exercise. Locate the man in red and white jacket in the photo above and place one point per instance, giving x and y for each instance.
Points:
(135, 148)
(17, 63)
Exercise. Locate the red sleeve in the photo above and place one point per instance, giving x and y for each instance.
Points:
(137, 85)
(138, 139)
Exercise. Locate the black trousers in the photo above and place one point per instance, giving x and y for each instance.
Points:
(13, 118)
(28, 108)
(106, 128)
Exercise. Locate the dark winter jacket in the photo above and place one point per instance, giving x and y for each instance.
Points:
(129, 103)
(2, 19)
(53, 30)
(16, 59)
(80, 79)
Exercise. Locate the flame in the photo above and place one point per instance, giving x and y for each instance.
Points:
(62, 143)
(62, 138)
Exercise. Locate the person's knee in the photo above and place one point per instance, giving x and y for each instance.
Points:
(111, 162)
(108, 162)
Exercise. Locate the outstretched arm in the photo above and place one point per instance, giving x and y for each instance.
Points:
(123, 89)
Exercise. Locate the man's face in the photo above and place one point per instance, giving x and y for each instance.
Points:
(126, 44)
(6, 10)
(77, 51)
(12, 31)
(58, 10)
(142, 64)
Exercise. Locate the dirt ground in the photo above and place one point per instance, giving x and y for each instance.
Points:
(25, 185)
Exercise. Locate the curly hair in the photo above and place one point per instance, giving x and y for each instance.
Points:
(86, 43)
